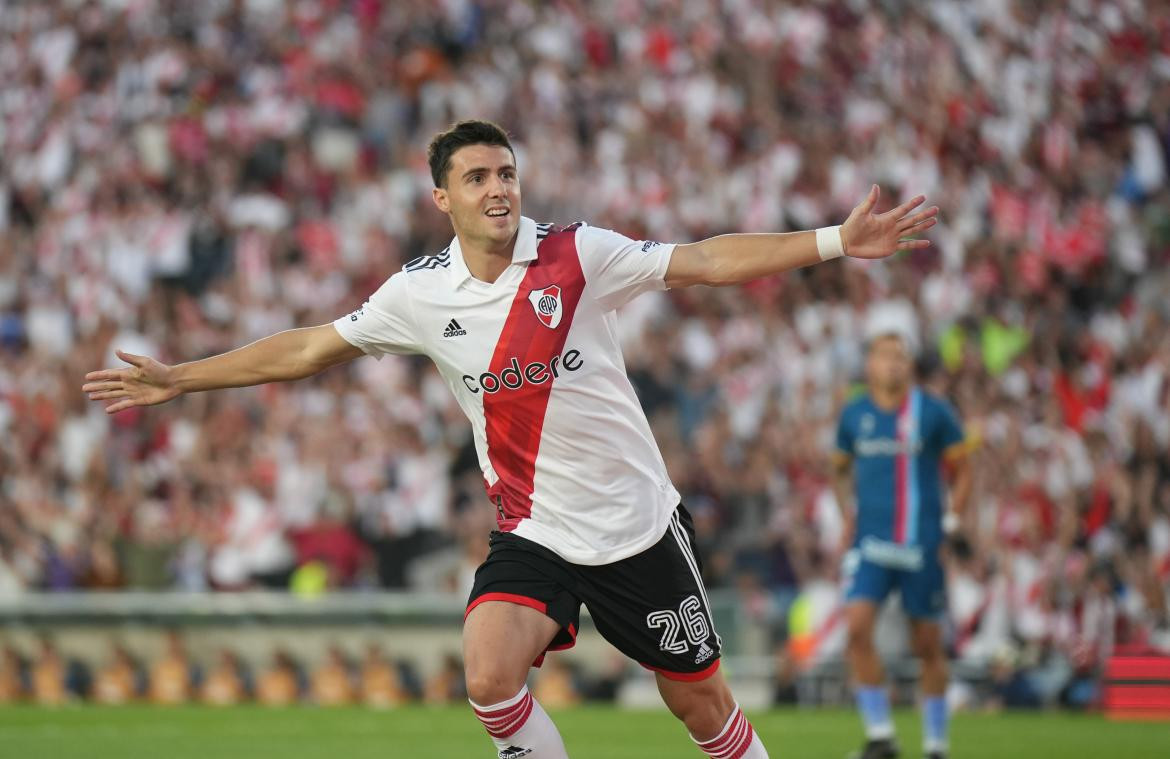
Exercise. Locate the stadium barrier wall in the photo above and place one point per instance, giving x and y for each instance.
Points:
(424, 628)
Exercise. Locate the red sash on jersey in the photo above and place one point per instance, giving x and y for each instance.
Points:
(515, 419)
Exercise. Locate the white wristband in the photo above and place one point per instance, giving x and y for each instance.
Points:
(829, 243)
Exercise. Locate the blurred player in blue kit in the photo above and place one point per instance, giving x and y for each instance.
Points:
(895, 446)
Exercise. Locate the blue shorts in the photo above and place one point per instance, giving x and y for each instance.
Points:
(923, 589)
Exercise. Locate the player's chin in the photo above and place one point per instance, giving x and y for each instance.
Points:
(503, 227)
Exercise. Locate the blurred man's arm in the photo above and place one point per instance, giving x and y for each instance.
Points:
(733, 259)
(289, 355)
(843, 491)
(958, 463)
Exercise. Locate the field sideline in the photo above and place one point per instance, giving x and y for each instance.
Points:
(590, 732)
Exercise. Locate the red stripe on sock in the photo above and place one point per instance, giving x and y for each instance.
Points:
(512, 727)
(495, 714)
(507, 721)
(747, 742)
(734, 742)
(720, 741)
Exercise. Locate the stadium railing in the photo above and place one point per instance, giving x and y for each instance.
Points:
(423, 627)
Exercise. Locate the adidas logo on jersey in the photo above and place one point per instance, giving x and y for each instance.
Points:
(512, 752)
(705, 653)
(454, 330)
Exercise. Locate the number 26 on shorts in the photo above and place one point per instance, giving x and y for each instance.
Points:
(688, 620)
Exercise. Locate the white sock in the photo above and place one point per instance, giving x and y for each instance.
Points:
(737, 740)
(520, 728)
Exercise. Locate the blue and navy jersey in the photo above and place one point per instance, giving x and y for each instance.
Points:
(897, 466)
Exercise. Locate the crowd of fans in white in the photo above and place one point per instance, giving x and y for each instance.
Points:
(177, 179)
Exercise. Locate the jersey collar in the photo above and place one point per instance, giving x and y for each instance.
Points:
(522, 252)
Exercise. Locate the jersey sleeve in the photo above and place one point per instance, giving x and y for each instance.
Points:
(947, 428)
(845, 431)
(617, 268)
(384, 323)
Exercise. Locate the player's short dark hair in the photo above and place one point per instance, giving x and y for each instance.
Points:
(462, 134)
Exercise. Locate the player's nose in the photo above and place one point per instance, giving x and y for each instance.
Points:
(496, 188)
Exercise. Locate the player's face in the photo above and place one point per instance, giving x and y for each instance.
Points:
(889, 365)
(482, 195)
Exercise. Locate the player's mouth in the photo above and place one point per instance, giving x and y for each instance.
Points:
(498, 212)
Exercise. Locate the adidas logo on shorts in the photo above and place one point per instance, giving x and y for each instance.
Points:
(705, 653)
(454, 330)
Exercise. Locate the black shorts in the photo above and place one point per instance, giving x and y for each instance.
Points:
(652, 607)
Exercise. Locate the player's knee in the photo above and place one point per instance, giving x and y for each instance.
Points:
(927, 645)
(860, 638)
(931, 652)
(491, 685)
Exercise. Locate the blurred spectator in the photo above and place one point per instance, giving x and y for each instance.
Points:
(50, 675)
(331, 541)
(556, 684)
(101, 570)
(225, 683)
(172, 676)
(816, 621)
(446, 685)
(333, 682)
(603, 685)
(118, 682)
(381, 682)
(1011, 687)
(13, 676)
(280, 684)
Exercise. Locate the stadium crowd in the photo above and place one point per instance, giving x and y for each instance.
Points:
(177, 179)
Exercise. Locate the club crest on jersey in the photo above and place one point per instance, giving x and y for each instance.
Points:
(547, 304)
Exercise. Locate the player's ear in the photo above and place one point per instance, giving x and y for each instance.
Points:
(442, 201)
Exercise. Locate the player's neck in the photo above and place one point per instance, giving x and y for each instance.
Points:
(485, 259)
(889, 399)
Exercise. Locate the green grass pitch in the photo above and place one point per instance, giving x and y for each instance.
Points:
(142, 732)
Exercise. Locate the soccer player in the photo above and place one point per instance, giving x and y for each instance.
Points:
(895, 443)
(519, 318)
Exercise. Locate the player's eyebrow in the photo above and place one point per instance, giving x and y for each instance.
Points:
(483, 169)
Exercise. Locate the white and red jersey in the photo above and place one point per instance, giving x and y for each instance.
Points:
(533, 358)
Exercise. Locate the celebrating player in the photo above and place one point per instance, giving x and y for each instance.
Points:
(894, 443)
(519, 318)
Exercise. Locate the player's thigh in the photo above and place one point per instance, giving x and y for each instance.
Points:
(653, 607)
(501, 639)
(867, 587)
(520, 605)
(923, 590)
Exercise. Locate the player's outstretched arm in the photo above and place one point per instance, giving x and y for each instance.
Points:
(732, 259)
(289, 355)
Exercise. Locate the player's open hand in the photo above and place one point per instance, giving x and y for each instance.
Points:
(871, 235)
(144, 383)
